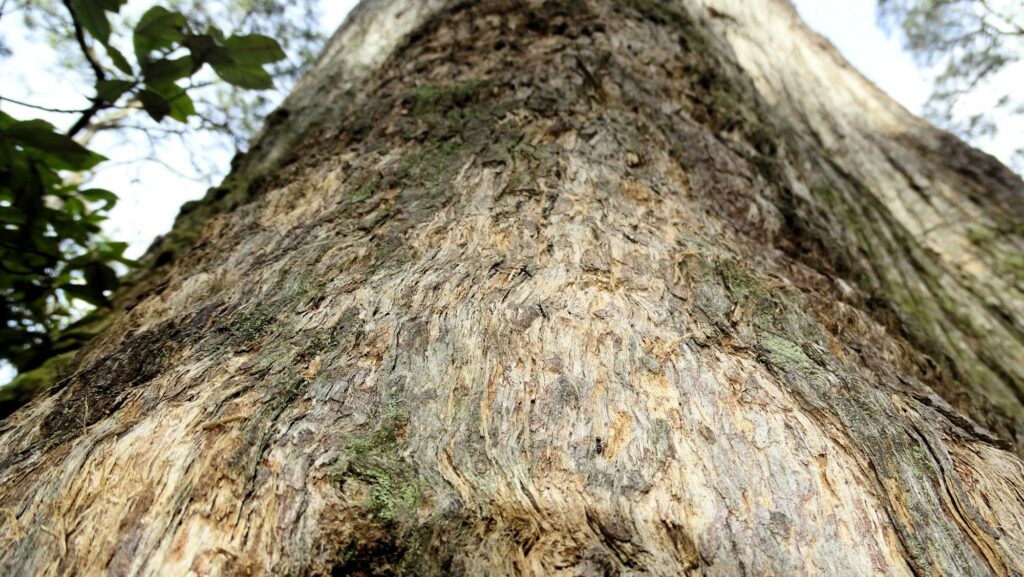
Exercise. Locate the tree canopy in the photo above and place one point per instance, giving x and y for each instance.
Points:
(974, 47)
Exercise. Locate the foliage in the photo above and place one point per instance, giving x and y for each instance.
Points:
(226, 113)
(971, 43)
(51, 252)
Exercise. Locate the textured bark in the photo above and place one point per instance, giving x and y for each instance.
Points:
(557, 288)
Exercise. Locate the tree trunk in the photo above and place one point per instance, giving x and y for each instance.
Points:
(576, 287)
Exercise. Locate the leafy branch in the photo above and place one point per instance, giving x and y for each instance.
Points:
(51, 249)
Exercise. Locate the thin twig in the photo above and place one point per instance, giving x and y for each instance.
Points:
(1015, 29)
(45, 108)
(111, 121)
(97, 69)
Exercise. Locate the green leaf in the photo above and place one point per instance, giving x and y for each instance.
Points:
(87, 293)
(93, 18)
(202, 46)
(158, 28)
(39, 134)
(154, 104)
(14, 265)
(99, 195)
(119, 60)
(168, 69)
(100, 276)
(254, 49)
(244, 76)
(216, 33)
(11, 215)
(111, 90)
(181, 105)
(74, 207)
(109, 250)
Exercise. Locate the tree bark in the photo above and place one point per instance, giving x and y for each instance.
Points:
(571, 287)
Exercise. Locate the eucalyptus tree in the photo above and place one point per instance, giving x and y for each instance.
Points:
(564, 287)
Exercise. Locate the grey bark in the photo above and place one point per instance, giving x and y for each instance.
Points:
(573, 287)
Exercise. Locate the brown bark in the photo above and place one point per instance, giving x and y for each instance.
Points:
(572, 287)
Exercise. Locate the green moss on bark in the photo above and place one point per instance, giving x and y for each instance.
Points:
(376, 459)
(29, 384)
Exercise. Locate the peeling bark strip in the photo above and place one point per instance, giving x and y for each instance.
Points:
(557, 288)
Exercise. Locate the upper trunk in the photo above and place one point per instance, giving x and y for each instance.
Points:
(559, 288)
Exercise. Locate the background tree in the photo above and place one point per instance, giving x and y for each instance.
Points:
(575, 287)
(975, 46)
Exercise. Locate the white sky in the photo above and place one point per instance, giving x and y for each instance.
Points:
(151, 194)
(850, 25)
